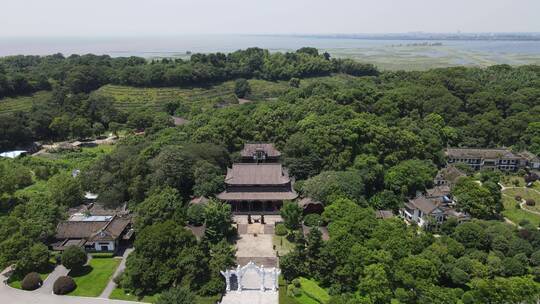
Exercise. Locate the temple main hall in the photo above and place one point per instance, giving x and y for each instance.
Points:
(258, 183)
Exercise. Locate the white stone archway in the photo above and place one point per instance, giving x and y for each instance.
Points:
(271, 274)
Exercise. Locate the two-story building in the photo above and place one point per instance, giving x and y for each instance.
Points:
(477, 159)
(259, 183)
(432, 209)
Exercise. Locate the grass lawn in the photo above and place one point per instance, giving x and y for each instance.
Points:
(510, 180)
(312, 290)
(15, 280)
(517, 215)
(283, 298)
(283, 246)
(93, 278)
(120, 294)
(208, 300)
(526, 194)
(311, 293)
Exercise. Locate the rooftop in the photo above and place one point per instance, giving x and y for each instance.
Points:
(438, 191)
(480, 153)
(257, 196)
(423, 204)
(256, 174)
(306, 201)
(450, 174)
(109, 229)
(384, 214)
(268, 149)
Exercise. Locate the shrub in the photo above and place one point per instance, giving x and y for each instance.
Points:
(296, 283)
(31, 281)
(64, 285)
(177, 295)
(294, 82)
(312, 220)
(535, 258)
(281, 230)
(118, 279)
(517, 198)
(242, 88)
(524, 222)
(530, 202)
(195, 214)
(74, 257)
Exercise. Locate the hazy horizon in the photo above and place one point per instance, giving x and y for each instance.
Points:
(102, 18)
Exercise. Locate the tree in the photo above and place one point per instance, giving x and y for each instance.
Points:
(195, 214)
(292, 215)
(61, 126)
(504, 290)
(166, 254)
(177, 295)
(36, 258)
(208, 179)
(375, 284)
(330, 185)
(161, 205)
(74, 258)
(173, 167)
(98, 128)
(475, 199)
(410, 176)
(471, 235)
(242, 88)
(80, 128)
(218, 219)
(65, 190)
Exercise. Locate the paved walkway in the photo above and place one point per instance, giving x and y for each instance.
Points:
(112, 285)
(47, 287)
(10, 295)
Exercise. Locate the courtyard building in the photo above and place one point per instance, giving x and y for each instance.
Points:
(94, 228)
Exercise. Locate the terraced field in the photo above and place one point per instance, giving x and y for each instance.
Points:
(22, 103)
(195, 99)
(202, 97)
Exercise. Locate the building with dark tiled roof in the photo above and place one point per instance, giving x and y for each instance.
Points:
(448, 176)
(424, 211)
(310, 205)
(499, 158)
(93, 233)
(384, 214)
(259, 183)
(260, 152)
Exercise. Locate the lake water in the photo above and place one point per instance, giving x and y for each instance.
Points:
(375, 50)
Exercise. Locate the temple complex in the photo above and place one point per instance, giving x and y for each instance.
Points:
(259, 183)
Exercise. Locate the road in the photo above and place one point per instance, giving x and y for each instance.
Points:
(9, 295)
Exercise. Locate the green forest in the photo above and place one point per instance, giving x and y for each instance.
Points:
(354, 138)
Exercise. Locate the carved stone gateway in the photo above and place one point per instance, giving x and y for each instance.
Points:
(239, 272)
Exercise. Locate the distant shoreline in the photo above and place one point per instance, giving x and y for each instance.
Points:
(423, 36)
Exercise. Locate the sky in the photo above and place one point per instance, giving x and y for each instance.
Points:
(82, 18)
